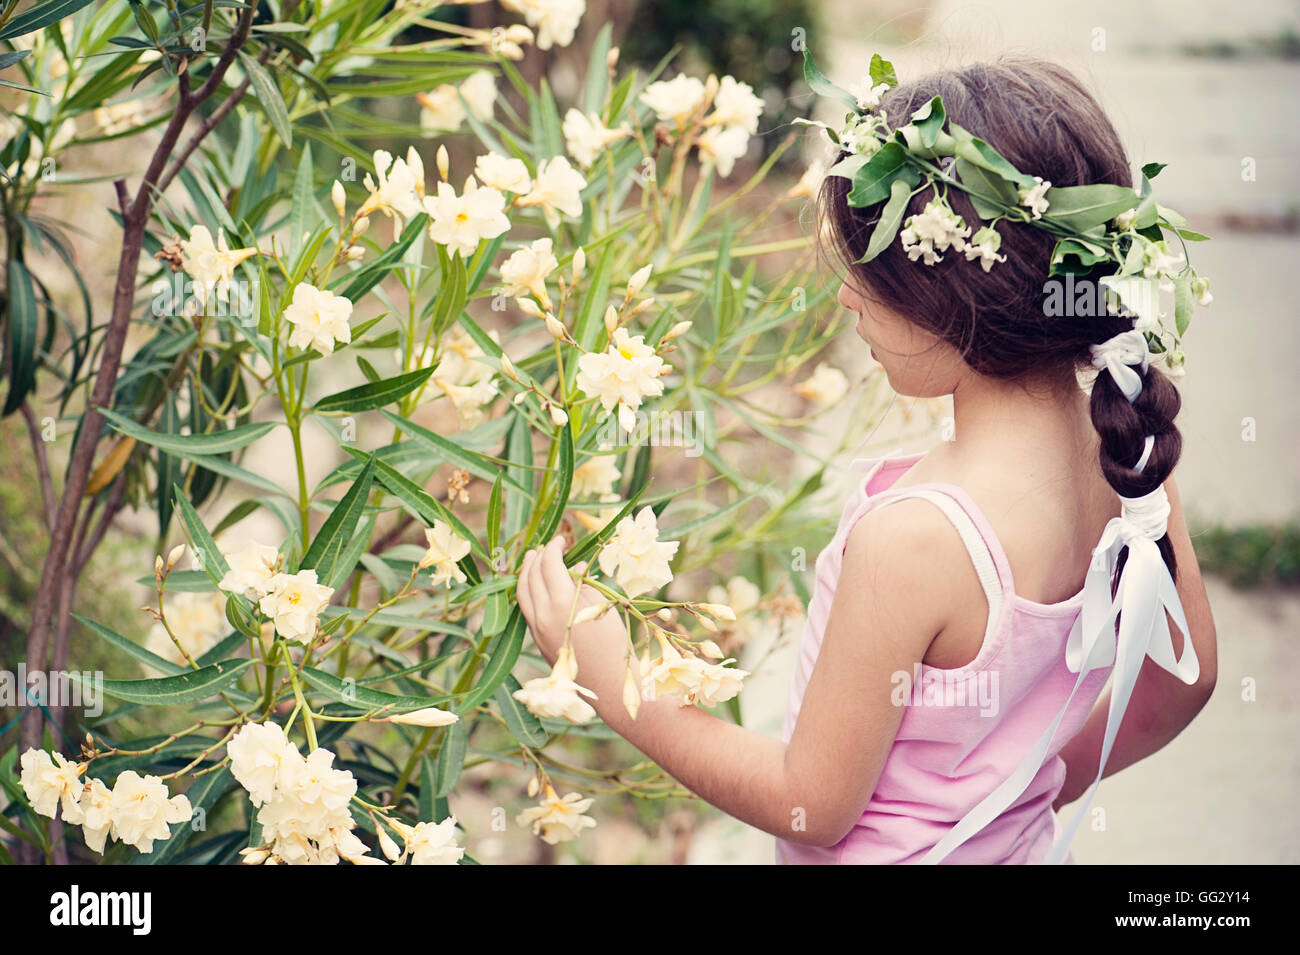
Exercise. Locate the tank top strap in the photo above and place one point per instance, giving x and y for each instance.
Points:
(980, 543)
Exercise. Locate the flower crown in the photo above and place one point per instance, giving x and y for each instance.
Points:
(1105, 232)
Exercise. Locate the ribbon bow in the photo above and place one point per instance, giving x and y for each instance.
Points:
(1117, 354)
(1144, 592)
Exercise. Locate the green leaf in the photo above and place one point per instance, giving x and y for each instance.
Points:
(985, 186)
(872, 182)
(523, 725)
(451, 758)
(336, 533)
(268, 95)
(597, 72)
(890, 219)
(494, 515)
(560, 490)
(447, 450)
(375, 394)
(882, 71)
(505, 653)
(1152, 169)
(1184, 301)
(426, 790)
(361, 697)
(453, 294)
(20, 340)
(303, 187)
(929, 120)
(1075, 256)
(184, 445)
(1082, 207)
(214, 564)
(977, 152)
(42, 14)
(132, 649)
(820, 85)
(189, 687)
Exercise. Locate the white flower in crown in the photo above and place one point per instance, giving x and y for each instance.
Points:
(1034, 197)
(1201, 289)
(554, 20)
(735, 105)
(319, 318)
(935, 229)
(984, 246)
(395, 194)
(859, 135)
(868, 95)
(1159, 262)
(585, 136)
(502, 172)
(625, 374)
(557, 190)
(721, 146)
(674, 100)
(460, 222)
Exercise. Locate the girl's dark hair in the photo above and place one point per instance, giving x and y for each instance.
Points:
(1046, 124)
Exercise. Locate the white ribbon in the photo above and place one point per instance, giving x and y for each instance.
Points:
(1145, 591)
(1117, 354)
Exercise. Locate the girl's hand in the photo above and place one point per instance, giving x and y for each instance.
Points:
(546, 594)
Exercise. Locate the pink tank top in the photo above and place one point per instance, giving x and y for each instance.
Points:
(965, 730)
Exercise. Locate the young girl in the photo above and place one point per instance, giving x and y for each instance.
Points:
(948, 692)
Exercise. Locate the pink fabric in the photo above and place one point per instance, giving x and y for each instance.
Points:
(946, 758)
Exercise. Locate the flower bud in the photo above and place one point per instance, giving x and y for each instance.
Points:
(518, 33)
(174, 555)
(429, 716)
(664, 613)
(681, 328)
(444, 164)
(641, 306)
(558, 416)
(508, 367)
(611, 58)
(339, 197)
(721, 611)
(579, 263)
(387, 845)
(519, 397)
(631, 694)
(710, 649)
(360, 228)
(708, 624)
(254, 855)
(158, 565)
(555, 327)
(590, 613)
(529, 307)
(354, 253)
(611, 319)
(533, 787)
(637, 282)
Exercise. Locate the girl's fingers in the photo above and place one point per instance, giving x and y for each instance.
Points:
(554, 573)
(523, 590)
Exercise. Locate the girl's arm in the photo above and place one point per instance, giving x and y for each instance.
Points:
(1161, 704)
(889, 604)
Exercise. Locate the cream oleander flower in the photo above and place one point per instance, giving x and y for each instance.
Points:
(585, 136)
(826, 386)
(623, 375)
(526, 270)
(554, 20)
(50, 783)
(636, 557)
(141, 810)
(294, 602)
(595, 477)
(460, 222)
(735, 105)
(674, 100)
(307, 819)
(670, 675)
(251, 570)
(504, 173)
(1034, 197)
(471, 401)
(445, 547)
(721, 146)
(319, 318)
(556, 696)
(718, 683)
(212, 266)
(557, 190)
(96, 810)
(742, 596)
(258, 753)
(442, 110)
(431, 843)
(198, 622)
(558, 819)
(396, 194)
